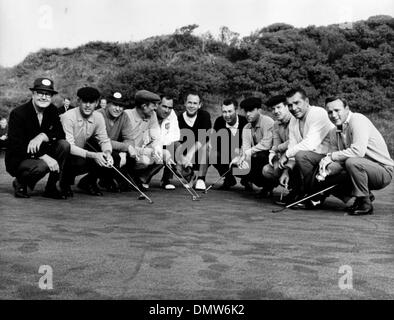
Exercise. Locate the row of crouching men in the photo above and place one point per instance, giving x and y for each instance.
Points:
(306, 149)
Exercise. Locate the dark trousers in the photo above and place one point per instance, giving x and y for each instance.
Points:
(273, 174)
(3, 144)
(366, 175)
(76, 166)
(167, 174)
(257, 162)
(30, 171)
(307, 163)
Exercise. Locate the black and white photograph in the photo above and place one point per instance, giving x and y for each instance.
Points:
(194, 155)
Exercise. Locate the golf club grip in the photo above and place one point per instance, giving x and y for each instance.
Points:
(121, 174)
(218, 179)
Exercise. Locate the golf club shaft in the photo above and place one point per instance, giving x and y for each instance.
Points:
(306, 198)
(122, 175)
(183, 178)
(180, 180)
(220, 178)
(131, 183)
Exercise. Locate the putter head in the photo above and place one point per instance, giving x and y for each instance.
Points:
(194, 198)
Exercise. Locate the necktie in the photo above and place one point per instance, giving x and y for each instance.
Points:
(340, 138)
(254, 136)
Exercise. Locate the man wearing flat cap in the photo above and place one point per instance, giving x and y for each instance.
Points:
(256, 143)
(37, 143)
(145, 131)
(90, 145)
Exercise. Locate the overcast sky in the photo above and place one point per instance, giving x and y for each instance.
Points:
(28, 25)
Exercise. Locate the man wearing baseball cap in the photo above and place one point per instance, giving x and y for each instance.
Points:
(119, 130)
(37, 143)
(90, 146)
(146, 137)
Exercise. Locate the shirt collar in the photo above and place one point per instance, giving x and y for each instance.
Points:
(235, 125)
(137, 116)
(82, 118)
(345, 123)
(257, 124)
(286, 120)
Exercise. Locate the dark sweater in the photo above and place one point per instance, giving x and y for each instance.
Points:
(203, 122)
(234, 140)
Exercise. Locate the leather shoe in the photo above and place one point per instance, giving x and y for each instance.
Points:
(91, 189)
(110, 185)
(364, 207)
(20, 191)
(264, 193)
(288, 199)
(247, 184)
(66, 190)
(228, 183)
(356, 203)
(54, 193)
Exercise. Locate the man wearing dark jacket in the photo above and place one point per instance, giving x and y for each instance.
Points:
(66, 106)
(228, 127)
(36, 143)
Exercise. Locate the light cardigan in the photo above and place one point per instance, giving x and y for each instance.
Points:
(169, 129)
(315, 138)
(362, 140)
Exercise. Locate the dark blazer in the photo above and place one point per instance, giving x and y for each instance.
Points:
(23, 126)
(221, 124)
(62, 109)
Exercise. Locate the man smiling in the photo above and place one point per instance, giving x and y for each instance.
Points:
(36, 143)
(194, 120)
(118, 128)
(80, 125)
(308, 137)
(231, 124)
(359, 148)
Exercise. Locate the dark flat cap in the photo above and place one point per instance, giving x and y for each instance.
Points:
(117, 98)
(88, 94)
(251, 103)
(43, 84)
(142, 96)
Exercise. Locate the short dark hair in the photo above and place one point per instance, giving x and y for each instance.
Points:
(192, 93)
(229, 101)
(293, 91)
(251, 103)
(273, 101)
(333, 98)
(166, 96)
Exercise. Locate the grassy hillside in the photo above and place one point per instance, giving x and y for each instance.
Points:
(354, 60)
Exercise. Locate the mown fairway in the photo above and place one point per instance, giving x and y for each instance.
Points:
(229, 245)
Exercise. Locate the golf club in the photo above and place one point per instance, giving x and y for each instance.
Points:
(220, 178)
(194, 195)
(134, 185)
(302, 200)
